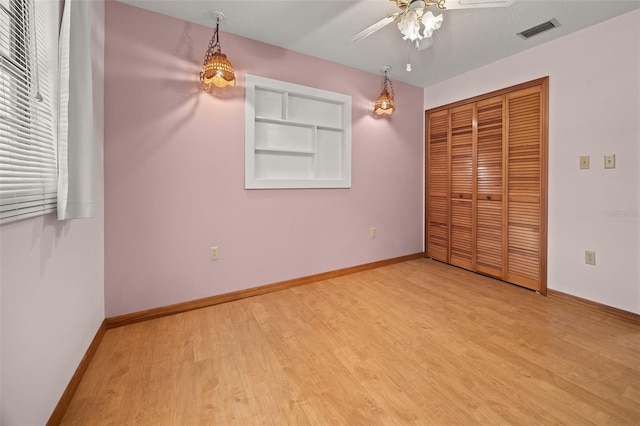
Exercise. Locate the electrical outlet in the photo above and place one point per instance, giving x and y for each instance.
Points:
(373, 232)
(214, 254)
(590, 257)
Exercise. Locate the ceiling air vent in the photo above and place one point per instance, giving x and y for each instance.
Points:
(545, 26)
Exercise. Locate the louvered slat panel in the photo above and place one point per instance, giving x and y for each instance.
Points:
(524, 188)
(523, 268)
(489, 191)
(489, 252)
(438, 186)
(461, 236)
(439, 213)
(524, 142)
(461, 233)
(489, 145)
(462, 152)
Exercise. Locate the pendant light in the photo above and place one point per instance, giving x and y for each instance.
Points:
(385, 103)
(217, 69)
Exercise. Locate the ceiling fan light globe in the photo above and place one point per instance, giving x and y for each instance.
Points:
(409, 18)
(429, 20)
(431, 23)
(409, 26)
(413, 36)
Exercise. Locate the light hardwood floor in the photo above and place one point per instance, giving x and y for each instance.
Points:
(418, 342)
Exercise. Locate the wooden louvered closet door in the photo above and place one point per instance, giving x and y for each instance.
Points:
(437, 229)
(486, 196)
(461, 234)
(489, 186)
(526, 187)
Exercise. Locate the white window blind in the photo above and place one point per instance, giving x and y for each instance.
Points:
(28, 169)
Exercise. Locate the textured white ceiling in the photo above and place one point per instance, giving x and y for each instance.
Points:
(468, 38)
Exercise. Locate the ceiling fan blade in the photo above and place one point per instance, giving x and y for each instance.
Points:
(472, 4)
(373, 28)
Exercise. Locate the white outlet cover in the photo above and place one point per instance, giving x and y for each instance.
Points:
(214, 254)
(589, 257)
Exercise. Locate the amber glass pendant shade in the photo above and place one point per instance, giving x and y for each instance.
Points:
(385, 103)
(218, 71)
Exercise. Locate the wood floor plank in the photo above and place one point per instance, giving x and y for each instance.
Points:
(418, 342)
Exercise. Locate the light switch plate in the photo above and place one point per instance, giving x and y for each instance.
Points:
(609, 161)
(584, 162)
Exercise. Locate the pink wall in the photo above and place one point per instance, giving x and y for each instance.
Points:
(174, 171)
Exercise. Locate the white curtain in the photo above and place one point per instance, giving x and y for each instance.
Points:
(75, 120)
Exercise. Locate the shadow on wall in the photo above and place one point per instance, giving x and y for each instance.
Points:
(47, 234)
(173, 76)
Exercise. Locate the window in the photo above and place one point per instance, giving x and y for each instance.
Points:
(28, 166)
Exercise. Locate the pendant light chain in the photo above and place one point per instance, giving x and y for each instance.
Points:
(214, 43)
(387, 85)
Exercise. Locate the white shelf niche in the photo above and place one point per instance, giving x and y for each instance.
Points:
(296, 136)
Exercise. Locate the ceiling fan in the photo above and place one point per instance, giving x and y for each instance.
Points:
(417, 24)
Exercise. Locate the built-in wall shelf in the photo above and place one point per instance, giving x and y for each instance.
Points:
(296, 136)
